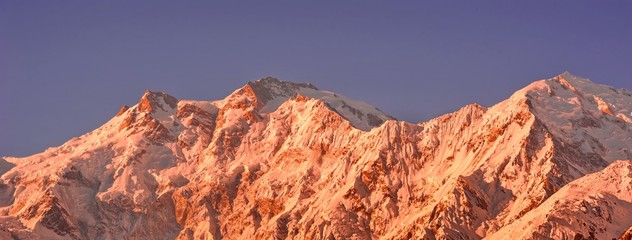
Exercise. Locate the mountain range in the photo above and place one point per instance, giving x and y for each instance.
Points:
(283, 160)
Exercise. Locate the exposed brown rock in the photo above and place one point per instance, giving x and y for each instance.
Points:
(302, 172)
(128, 121)
(122, 110)
(301, 98)
(150, 102)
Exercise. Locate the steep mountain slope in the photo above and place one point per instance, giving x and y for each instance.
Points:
(284, 160)
(580, 209)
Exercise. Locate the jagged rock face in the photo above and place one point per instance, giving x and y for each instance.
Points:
(284, 160)
(580, 210)
(152, 102)
(122, 110)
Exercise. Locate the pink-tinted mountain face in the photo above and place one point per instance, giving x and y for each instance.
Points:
(286, 160)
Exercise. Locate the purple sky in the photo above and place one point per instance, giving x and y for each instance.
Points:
(66, 67)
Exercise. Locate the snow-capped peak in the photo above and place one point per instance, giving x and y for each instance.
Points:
(573, 78)
(267, 94)
(286, 160)
(590, 116)
(274, 83)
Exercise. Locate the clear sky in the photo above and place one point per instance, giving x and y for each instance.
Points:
(66, 67)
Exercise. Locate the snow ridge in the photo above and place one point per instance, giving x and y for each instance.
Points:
(277, 159)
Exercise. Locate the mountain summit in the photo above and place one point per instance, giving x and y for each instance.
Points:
(267, 94)
(281, 160)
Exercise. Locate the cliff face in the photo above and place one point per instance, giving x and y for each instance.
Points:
(283, 160)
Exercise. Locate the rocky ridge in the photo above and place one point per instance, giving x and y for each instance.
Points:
(283, 160)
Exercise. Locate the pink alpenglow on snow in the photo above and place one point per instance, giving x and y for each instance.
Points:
(284, 160)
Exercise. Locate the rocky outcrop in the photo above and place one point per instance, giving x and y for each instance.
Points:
(122, 110)
(283, 160)
(153, 101)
